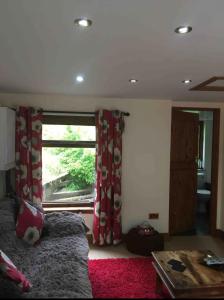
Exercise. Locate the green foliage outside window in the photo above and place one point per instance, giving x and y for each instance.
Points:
(78, 162)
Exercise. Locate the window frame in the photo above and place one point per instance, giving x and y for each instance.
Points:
(57, 119)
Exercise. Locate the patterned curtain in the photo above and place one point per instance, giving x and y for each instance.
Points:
(107, 208)
(29, 154)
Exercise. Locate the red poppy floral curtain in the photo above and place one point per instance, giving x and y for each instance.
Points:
(29, 154)
(107, 208)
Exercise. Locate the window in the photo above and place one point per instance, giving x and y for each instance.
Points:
(69, 147)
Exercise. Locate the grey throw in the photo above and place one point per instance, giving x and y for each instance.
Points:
(58, 266)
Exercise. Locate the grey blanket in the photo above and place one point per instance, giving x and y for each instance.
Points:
(58, 266)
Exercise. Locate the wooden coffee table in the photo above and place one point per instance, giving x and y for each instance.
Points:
(196, 281)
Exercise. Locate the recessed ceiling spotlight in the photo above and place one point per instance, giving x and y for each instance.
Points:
(187, 81)
(183, 29)
(79, 78)
(83, 22)
(133, 80)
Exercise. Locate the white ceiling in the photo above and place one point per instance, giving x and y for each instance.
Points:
(41, 50)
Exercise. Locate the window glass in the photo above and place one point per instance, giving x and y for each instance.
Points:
(68, 172)
(69, 133)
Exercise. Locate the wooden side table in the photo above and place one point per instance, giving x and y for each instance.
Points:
(196, 281)
(143, 244)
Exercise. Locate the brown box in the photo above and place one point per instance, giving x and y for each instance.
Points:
(143, 244)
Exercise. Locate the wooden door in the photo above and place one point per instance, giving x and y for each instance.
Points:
(183, 171)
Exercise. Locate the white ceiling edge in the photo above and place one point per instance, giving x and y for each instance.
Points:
(193, 96)
(74, 97)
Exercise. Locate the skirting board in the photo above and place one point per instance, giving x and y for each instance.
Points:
(90, 237)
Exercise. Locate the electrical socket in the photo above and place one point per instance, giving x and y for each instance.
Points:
(153, 216)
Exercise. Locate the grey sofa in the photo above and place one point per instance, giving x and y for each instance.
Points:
(57, 267)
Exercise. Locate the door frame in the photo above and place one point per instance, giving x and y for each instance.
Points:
(214, 165)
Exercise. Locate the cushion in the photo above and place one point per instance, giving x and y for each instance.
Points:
(9, 270)
(18, 201)
(60, 224)
(30, 222)
(37, 206)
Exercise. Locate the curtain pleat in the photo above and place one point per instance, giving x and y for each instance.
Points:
(29, 154)
(107, 228)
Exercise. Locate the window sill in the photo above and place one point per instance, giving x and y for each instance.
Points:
(68, 204)
(84, 210)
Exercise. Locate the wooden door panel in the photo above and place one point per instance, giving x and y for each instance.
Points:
(183, 171)
(183, 130)
(181, 212)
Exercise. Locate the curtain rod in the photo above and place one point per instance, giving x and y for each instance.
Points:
(77, 112)
(126, 114)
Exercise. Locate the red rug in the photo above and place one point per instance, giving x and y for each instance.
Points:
(123, 278)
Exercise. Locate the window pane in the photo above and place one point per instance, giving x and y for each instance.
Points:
(69, 132)
(68, 174)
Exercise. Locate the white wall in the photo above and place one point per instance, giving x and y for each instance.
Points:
(146, 150)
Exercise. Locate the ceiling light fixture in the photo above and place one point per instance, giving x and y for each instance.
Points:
(133, 80)
(83, 22)
(187, 81)
(183, 29)
(79, 78)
